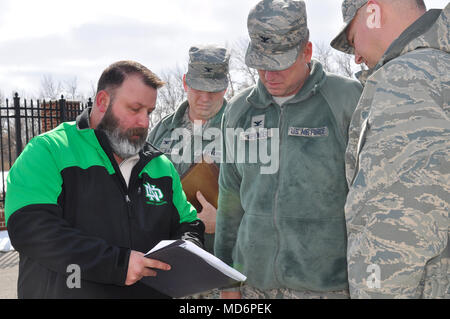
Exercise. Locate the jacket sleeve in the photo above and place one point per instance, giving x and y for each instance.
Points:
(397, 208)
(38, 230)
(342, 105)
(230, 211)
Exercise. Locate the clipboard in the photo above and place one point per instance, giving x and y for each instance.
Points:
(203, 176)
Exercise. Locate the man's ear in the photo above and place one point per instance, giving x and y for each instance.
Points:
(307, 51)
(184, 83)
(373, 11)
(102, 101)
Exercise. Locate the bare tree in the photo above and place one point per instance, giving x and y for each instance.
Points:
(71, 87)
(93, 90)
(49, 88)
(241, 76)
(2, 98)
(335, 61)
(344, 64)
(325, 55)
(171, 95)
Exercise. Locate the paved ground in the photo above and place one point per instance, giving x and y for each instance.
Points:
(9, 268)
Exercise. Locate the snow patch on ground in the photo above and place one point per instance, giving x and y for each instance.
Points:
(5, 243)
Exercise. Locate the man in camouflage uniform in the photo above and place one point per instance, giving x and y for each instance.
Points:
(283, 225)
(397, 164)
(181, 135)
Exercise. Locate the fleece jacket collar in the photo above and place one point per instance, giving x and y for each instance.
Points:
(260, 98)
(173, 122)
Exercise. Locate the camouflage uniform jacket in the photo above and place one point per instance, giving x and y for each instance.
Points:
(161, 137)
(398, 171)
(286, 228)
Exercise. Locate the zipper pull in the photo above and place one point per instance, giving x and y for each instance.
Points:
(128, 200)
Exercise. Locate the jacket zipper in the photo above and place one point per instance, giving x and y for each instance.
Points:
(129, 203)
(132, 181)
(277, 251)
(129, 211)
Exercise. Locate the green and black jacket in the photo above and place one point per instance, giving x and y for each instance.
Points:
(68, 204)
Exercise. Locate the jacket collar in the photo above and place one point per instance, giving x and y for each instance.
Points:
(178, 115)
(414, 31)
(177, 118)
(260, 98)
(83, 120)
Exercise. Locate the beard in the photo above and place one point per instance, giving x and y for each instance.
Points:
(122, 142)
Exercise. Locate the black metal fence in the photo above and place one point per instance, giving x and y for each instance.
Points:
(22, 120)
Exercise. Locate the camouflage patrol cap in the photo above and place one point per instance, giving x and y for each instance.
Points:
(349, 10)
(276, 29)
(208, 68)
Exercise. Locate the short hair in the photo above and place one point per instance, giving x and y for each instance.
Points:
(304, 42)
(421, 5)
(114, 76)
(409, 4)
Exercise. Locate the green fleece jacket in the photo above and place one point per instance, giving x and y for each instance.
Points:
(285, 228)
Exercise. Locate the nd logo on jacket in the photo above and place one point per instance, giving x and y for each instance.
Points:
(154, 195)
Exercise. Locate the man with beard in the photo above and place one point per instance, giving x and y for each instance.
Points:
(90, 197)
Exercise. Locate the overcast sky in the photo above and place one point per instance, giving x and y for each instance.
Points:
(80, 38)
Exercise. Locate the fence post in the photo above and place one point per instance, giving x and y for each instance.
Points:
(18, 127)
(62, 109)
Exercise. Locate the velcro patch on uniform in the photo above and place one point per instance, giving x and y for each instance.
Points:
(165, 146)
(213, 153)
(258, 121)
(253, 135)
(309, 132)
